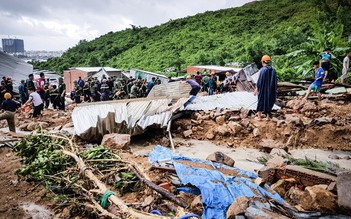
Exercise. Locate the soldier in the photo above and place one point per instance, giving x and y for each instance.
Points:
(76, 93)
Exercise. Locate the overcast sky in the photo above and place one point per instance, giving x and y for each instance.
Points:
(58, 25)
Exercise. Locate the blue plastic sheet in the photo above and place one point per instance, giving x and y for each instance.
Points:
(218, 191)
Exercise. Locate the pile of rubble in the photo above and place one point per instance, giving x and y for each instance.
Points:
(323, 125)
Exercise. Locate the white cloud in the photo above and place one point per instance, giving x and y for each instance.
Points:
(58, 25)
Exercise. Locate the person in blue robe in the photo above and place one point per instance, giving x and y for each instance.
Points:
(266, 88)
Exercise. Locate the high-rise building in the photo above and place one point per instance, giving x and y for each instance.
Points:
(13, 45)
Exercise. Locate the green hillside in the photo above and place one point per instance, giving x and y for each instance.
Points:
(294, 32)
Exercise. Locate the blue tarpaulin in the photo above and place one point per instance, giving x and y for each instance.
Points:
(218, 190)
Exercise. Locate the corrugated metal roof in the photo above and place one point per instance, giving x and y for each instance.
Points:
(92, 121)
(174, 89)
(233, 101)
(95, 69)
(217, 68)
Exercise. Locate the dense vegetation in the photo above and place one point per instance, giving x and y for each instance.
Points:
(294, 32)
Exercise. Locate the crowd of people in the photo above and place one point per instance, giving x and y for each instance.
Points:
(112, 88)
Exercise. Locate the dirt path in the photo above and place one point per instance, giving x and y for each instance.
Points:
(15, 195)
(244, 157)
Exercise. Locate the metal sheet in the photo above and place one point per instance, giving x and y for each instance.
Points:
(92, 121)
(233, 101)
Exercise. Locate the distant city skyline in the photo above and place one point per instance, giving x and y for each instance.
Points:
(59, 25)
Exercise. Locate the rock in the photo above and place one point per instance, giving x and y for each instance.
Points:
(196, 205)
(292, 120)
(256, 132)
(319, 199)
(116, 141)
(283, 186)
(347, 157)
(244, 113)
(219, 157)
(343, 185)
(245, 122)
(222, 130)
(278, 151)
(309, 106)
(35, 125)
(234, 127)
(165, 142)
(187, 133)
(280, 123)
(234, 118)
(276, 162)
(230, 144)
(295, 195)
(324, 120)
(210, 135)
(334, 157)
(238, 207)
(220, 120)
(204, 117)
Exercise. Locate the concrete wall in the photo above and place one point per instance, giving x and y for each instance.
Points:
(71, 75)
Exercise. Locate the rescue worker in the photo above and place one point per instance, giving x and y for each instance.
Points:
(36, 100)
(9, 108)
(195, 87)
(86, 92)
(46, 99)
(134, 91)
(76, 93)
(104, 90)
(54, 96)
(62, 92)
(95, 91)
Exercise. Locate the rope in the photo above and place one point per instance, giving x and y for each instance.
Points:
(104, 200)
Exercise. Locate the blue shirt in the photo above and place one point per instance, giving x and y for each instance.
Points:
(150, 85)
(10, 105)
(326, 56)
(319, 73)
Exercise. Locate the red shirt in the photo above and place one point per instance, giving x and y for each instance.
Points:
(40, 84)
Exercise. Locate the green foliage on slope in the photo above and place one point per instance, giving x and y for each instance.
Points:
(294, 32)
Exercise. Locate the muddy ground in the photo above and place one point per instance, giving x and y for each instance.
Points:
(318, 130)
(17, 195)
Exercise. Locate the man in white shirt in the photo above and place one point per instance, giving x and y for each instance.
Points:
(346, 65)
(34, 98)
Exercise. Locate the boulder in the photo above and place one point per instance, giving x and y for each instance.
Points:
(220, 120)
(245, 122)
(256, 132)
(219, 157)
(116, 141)
(187, 133)
(210, 135)
(222, 130)
(234, 127)
(343, 185)
(316, 198)
(238, 207)
(276, 161)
